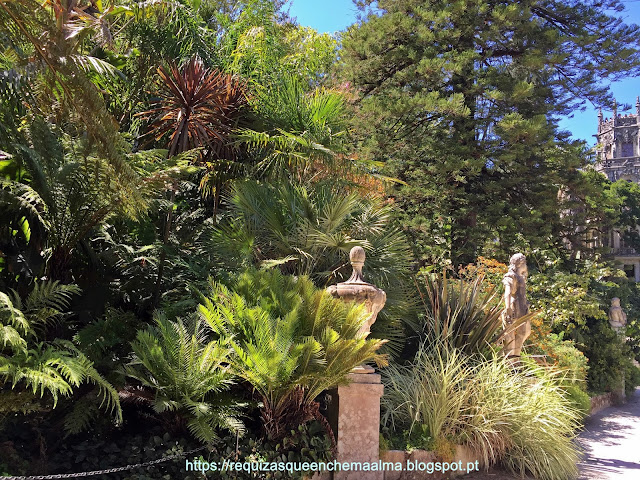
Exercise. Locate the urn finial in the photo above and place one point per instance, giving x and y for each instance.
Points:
(357, 290)
(357, 256)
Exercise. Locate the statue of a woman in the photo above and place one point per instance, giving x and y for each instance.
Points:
(617, 317)
(515, 305)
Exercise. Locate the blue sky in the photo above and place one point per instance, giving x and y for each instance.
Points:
(335, 15)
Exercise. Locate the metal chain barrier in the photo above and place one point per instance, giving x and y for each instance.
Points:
(108, 470)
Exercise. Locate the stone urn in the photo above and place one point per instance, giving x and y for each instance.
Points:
(357, 290)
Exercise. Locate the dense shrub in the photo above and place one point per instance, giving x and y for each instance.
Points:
(579, 399)
(553, 349)
(608, 357)
(631, 379)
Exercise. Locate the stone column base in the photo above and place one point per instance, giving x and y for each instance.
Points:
(355, 419)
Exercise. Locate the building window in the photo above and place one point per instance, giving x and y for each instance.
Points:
(627, 150)
(630, 271)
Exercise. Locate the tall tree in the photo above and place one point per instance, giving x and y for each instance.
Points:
(461, 99)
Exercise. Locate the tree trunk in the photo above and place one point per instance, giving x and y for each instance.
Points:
(60, 265)
(163, 255)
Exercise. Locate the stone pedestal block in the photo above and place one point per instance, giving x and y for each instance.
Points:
(356, 413)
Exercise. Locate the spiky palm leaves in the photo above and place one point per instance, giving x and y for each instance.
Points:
(291, 342)
(56, 368)
(197, 107)
(299, 128)
(462, 314)
(181, 371)
(309, 230)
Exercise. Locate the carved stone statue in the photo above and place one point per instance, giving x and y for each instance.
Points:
(515, 305)
(357, 290)
(617, 317)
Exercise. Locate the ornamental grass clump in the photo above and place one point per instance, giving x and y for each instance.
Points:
(520, 418)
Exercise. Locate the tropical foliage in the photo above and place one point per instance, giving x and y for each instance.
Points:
(181, 181)
(309, 230)
(291, 342)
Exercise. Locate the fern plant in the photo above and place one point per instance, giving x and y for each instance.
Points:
(178, 371)
(56, 369)
(67, 192)
(291, 341)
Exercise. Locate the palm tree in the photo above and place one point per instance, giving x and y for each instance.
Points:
(197, 108)
(297, 130)
(291, 342)
(310, 231)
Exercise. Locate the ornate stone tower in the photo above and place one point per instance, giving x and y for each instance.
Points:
(618, 147)
(618, 157)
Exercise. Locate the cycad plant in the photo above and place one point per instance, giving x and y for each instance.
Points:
(181, 374)
(30, 365)
(291, 341)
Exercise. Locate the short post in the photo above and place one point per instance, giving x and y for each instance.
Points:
(355, 410)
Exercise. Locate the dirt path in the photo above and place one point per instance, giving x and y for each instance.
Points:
(611, 443)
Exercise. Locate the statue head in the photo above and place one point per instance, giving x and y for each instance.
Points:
(518, 263)
(615, 302)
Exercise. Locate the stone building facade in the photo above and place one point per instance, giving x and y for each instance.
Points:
(618, 157)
